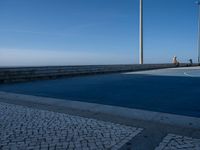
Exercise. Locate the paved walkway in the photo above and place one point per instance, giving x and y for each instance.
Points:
(28, 122)
(173, 91)
(177, 142)
(34, 129)
(26, 128)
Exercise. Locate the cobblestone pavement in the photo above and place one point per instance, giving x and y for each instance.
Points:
(26, 128)
(176, 142)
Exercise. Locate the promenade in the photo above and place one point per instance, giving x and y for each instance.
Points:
(40, 122)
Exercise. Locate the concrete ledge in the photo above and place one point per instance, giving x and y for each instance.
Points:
(164, 118)
(21, 74)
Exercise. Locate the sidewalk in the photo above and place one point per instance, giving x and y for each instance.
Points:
(57, 127)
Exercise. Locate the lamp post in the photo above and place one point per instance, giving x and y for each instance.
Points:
(141, 32)
(198, 3)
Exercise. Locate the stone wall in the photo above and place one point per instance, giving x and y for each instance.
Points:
(21, 74)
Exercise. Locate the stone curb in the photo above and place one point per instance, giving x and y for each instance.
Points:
(164, 118)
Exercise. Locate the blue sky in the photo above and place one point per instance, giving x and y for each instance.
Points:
(72, 32)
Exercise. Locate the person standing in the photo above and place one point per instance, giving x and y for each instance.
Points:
(175, 61)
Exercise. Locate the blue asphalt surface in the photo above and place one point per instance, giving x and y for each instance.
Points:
(174, 91)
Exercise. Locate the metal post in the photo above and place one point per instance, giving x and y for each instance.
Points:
(198, 31)
(141, 32)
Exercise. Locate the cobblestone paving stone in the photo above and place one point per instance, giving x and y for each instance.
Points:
(176, 142)
(26, 128)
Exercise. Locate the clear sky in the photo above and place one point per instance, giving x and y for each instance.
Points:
(72, 32)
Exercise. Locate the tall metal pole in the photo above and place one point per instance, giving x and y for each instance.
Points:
(141, 32)
(198, 32)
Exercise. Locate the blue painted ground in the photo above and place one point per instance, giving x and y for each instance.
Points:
(174, 91)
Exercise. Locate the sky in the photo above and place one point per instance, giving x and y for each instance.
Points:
(88, 32)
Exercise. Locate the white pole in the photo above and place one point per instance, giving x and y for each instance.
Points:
(199, 32)
(141, 32)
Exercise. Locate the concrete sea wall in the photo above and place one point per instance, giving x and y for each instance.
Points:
(22, 74)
